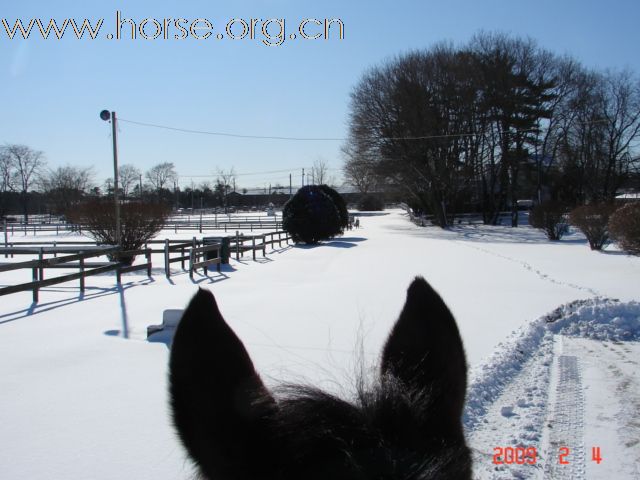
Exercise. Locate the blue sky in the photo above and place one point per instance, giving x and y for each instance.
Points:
(53, 90)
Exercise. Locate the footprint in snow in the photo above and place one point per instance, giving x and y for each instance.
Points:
(507, 411)
(522, 403)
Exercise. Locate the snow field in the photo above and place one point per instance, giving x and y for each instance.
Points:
(83, 393)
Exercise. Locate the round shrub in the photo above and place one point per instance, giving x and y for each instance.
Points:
(593, 220)
(550, 217)
(370, 203)
(340, 204)
(311, 216)
(624, 227)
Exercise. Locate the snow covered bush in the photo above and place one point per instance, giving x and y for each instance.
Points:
(311, 215)
(139, 223)
(624, 227)
(370, 203)
(593, 220)
(550, 217)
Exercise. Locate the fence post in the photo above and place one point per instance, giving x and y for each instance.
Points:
(237, 244)
(191, 264)
(147, 255)
(6, 238)
(34, 276)
(264, 245)
(82, 274)
(167, 272)
(40, 267)
(253, 247)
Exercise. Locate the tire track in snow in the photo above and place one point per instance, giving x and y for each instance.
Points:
(566, 424)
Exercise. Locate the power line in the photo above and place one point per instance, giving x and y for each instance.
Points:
(302, 139)
(233, 135)
(319, 139)
(213, 175)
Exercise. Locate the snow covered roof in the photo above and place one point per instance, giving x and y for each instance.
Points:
(628, 196)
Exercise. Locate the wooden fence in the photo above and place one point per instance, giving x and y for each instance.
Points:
(196, 259)
(39, 265)
(258, 243)
(177, 224)
(67, 255)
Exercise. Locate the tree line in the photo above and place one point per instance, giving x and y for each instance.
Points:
(499, 119)
(28, 186)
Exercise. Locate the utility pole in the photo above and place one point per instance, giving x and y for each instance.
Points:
(303, 177)
(106, 116)
(290, 187)
(114, 131)
(140, 185)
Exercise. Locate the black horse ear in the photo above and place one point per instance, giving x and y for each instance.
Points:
(424, 351)
(221, 408)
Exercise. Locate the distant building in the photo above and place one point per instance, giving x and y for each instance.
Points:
(628, 197)
(261, 197)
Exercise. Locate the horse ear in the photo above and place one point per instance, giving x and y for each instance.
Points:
(424, 351)
(220, 406)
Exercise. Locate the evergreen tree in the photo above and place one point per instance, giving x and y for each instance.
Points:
(311, 215)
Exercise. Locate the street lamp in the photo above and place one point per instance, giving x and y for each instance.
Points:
(106, 116)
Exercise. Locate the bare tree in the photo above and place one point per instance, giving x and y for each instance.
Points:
(162, 174)
(320, 172)
(596, 146)
(26, 164)
(484, 125)
(227, 177)
(621, 112)
(6, 172)
(6, 175)
(108, 186)
(128, 177)
(358, 170)
(226, 181)
(404, 115)
(65, 186)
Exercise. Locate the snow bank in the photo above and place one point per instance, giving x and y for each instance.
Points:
(596, 318)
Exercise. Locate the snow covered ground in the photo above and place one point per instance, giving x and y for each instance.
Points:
(551, 332)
